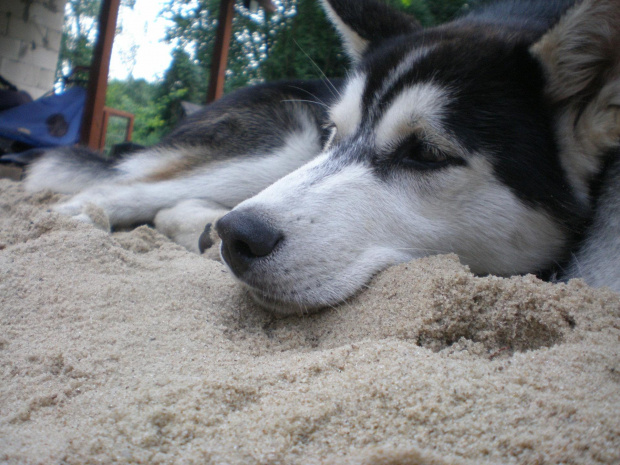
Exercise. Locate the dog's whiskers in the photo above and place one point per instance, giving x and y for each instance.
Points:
(323, 104)
(316, 99)
(334, 89)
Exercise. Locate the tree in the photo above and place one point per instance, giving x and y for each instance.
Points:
(79, 35)
(138, 97)
(296, 42)
(184, 80)
(78, 38)
(301, 51)
(254, 34)
(445, 10)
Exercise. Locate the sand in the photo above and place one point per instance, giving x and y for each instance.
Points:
(126, 348)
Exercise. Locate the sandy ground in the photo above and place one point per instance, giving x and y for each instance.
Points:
(125, 348)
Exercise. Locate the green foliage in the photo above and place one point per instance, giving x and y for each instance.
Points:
(264, 46)
(417, 8)
(445, 10)
(77, 42)
(156, 107)
(306, 47)
(297, 42)
(433, 12)
(253, 35)
(78, 37)
(194, 25)
(184, 80)
(136, 96)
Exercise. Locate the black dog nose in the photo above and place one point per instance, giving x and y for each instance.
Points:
(245, 237)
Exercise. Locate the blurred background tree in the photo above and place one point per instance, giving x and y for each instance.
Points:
(296, 42)
(78, 38)
(183, 81)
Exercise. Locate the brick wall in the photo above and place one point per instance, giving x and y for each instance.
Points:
(30, 32)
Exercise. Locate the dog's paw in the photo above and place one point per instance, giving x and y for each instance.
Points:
(209, 243)
(185, 223)
(69, 208)
(84, 212)
(205, 241)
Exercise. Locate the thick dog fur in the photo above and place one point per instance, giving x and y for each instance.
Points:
(495, 137)
(217, 158)
(484, 137)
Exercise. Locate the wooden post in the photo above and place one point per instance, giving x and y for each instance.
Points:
(220, 50)
(107, 112)
(92, 121)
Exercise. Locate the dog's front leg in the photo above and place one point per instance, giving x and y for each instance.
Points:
(123, 204)
(185, 222)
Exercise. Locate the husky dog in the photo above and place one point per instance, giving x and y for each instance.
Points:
(218, 157)
(495, 137)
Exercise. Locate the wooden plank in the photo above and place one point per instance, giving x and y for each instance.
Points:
(92, 121)
(220, 50)
(107, 112)
(268, 5)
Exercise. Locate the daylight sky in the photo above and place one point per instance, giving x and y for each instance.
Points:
(143, 30)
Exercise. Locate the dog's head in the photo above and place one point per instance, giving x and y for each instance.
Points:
(443, 140)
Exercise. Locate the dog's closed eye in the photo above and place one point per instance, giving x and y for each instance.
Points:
(417, 154)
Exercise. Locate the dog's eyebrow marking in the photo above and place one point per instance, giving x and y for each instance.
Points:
(347, 113)
(406, 64)
(418, 109)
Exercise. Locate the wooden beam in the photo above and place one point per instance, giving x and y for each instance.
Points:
(220, 50)
(92, 121)
(107, 112)
(268, 5)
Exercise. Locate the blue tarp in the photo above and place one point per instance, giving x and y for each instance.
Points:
(47, 122)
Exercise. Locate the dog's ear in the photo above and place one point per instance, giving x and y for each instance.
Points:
(582, 51)
(363, 22)
(581, 59)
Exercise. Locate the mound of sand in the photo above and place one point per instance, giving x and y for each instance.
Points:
(125, 348)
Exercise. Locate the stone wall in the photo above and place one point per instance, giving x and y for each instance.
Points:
(30, 32)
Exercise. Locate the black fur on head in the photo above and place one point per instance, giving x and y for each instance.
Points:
(498, 104)
(361, 23)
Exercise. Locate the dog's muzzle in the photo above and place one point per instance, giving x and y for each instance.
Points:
(246, 238)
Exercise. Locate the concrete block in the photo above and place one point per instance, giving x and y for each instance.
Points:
(20, 74)
(41, 57)
(9, 47)
(43, 16)
(38, 13)
(27, 32)
(53, 40)
(46, 79)
(15, 7)
(34, 91)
